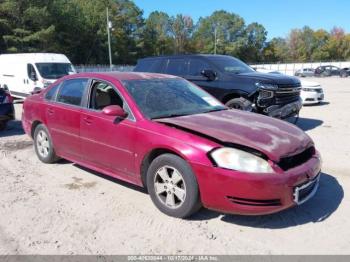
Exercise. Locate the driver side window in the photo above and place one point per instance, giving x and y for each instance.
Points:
(31, 72)
(197, 66)
(102, 95)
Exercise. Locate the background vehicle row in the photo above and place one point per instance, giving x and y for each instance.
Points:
(232, 82)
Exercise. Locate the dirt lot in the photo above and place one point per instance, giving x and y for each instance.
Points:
(66, 209)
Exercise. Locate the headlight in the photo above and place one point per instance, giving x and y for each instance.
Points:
(239, 160)
(267, 86)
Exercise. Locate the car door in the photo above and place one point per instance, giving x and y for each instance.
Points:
(63, 117)
(335, 71)
(106, 143)
(194, 74)
(176, 67)
(30, 81)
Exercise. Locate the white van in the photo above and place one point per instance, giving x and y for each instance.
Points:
(25, 73)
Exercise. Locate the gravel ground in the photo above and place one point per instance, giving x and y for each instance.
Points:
(66, 209)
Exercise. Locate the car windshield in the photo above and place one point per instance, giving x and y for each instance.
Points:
(54, 70)
(230, 64)
(170, 97)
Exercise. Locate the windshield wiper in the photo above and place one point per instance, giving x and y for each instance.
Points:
(213, 110)
(169, 116)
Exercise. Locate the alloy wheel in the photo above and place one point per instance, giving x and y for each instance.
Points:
(169, 186)
(43, 144)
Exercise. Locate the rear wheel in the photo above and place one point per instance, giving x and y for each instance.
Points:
(240, 104)
(43, 145)
(173, 186)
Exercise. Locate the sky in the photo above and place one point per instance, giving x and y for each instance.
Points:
(277, 16)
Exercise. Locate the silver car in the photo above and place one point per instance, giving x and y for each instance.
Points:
(304, 72)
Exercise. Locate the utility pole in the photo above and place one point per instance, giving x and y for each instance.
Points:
(215, 41)
(109, 26)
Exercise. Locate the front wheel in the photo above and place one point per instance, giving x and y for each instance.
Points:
(43, 145)
(173, 186)
(240, 104)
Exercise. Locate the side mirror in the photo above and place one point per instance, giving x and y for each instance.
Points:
(116, 111)
(36, 90)
(210, 74)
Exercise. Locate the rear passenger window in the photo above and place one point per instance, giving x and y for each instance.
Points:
(51, 94)
(149, 65)
(196, 66)
(176, 67)
(72, 91)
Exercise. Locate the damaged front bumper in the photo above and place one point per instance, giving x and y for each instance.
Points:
(286, 111)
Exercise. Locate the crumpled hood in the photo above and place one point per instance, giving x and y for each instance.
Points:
(270, 136)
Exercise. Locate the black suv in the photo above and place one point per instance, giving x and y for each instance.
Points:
(232, 82)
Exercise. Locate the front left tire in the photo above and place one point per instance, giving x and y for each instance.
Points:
(173, 187)
(240, 103)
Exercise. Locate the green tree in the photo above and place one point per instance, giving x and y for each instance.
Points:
(321, 52)
(276, 50)
(255, 37)
(127, 22)
(181, 28)
(25, 25)
(229, 29)
(156, 34)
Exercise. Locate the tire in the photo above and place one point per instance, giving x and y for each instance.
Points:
(43, 145)
(181, 190)
(240, 104)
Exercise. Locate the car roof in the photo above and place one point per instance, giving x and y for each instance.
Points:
(182, 56)
(122, 76)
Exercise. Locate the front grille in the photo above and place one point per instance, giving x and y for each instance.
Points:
(254, 202)
(287, 93)
(296, 160)
(286, 86)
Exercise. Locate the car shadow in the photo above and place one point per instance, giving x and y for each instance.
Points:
(307, 124)
(319, 104)
(112, 179)
(14, 128)
(326, 201)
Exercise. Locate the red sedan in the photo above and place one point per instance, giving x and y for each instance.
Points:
(168, 135)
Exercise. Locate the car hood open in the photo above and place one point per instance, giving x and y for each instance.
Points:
(270, 136)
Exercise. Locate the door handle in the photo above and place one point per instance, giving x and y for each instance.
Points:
(87, 120)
